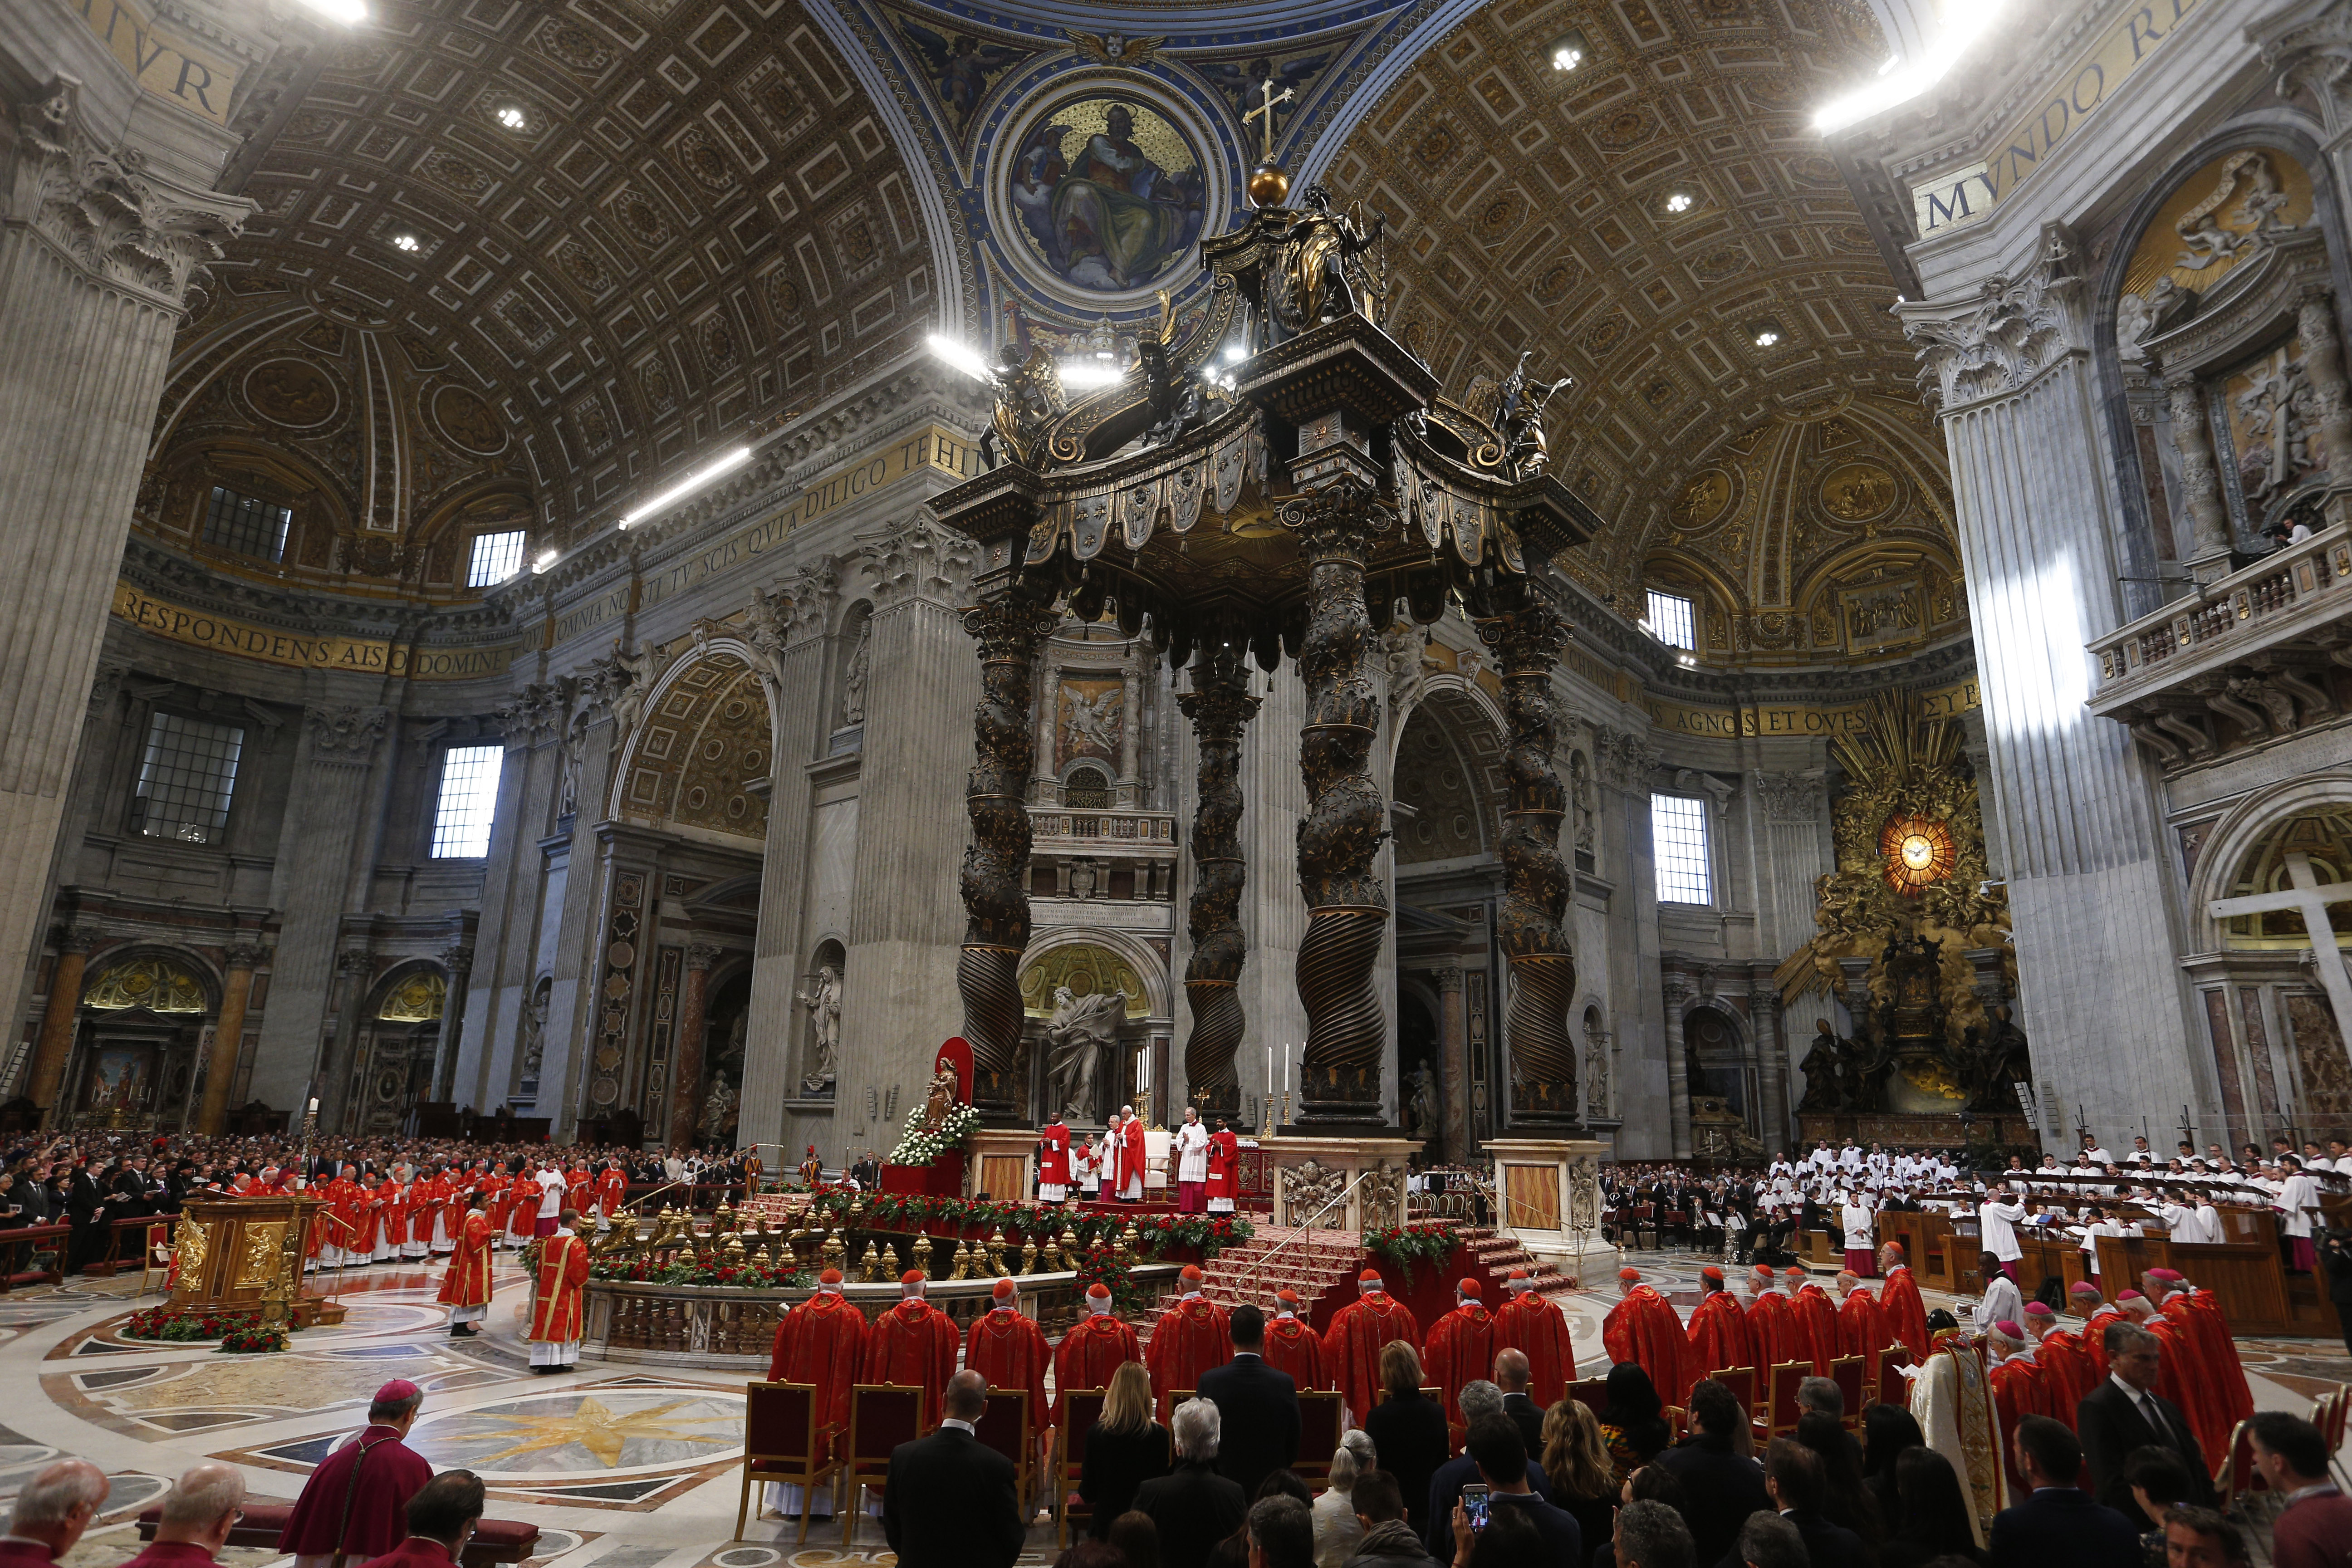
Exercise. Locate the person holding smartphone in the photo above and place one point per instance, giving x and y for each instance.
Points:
(1501, 1455)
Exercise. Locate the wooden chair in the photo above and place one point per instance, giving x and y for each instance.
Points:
(1003, 1426)
(1782, 1408)
(1081, 1408)
(1592, 1392)
(1677, 1421)
(784, 1442)
(1846, 1371)
(2330, 1413)
(1165, 1411)
(1426, 1393)
(1741, 1381)
(881, 1417)
(1320, 1431)
(157, 1261)
(2236, 1473)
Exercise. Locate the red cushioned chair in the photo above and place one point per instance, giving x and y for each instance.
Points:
(1003, 1426)
(1318, 1433)
(784, 1442)
(1741, 1381)
(1081, 1408)
(1782, 1409)
(1846, 1371)
(1890, 1385)
(881, 1417)
(1164, 1412)
(1592, 1392)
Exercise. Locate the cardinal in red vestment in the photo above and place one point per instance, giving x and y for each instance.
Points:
(1643, 1328)
(914, 1344)
(391, 1220)
(1130, 1164)
(556, 1298)
(1291, 1345)
(375, 1517)
(1817, 1326)
(822, 1344)
(1900, 1303)
(1053, 1162)
(1461, 1348)
(2019, 1390)
(2104, 1316)
(1771, 1329)
(1351, 1346)
(1188, 1340)
(612, 1190)
(1010, 1350)
(465, 1288)
(2185, 1374)
(2199, 1315)
(2065, 1371)
(1092, 1350)
(1717, 1336)
(1530, 1324)
(1861, 1322)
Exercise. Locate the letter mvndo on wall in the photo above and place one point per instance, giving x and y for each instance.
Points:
(1967, 195)
(162, 62)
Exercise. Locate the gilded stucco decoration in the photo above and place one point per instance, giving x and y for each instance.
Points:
(1089, 971)
(158, 984)
(1797, 489)
(418, 999)
(697, 750)
(432, 301)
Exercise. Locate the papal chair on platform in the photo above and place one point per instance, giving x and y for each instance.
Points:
(784, 1442)
(881, 1417)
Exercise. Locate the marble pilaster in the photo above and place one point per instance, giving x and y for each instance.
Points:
(513, 884)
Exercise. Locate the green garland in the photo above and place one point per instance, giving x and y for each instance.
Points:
(1407, 1245)
(705, 1270)
(921, 1145)
(239, 1331)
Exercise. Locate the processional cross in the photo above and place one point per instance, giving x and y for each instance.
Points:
(1265, 111)
(2310, 898)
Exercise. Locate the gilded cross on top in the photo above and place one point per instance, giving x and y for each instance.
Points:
(1265, 111)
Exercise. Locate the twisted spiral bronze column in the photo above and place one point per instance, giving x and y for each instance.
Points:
(1527, 636)
(1219, 705)
(1010, 627)
(1348, 906)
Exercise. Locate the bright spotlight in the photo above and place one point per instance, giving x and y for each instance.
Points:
(959, 356)
(689, 485)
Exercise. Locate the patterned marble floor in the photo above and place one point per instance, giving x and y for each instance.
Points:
(620, 1468)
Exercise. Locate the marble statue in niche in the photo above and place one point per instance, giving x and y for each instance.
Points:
(854, 676)
(1421, 1106)
(823, 1000)
(1580, 797)
(1079, 1038)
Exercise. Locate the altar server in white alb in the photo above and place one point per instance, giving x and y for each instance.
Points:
(1192, 1152)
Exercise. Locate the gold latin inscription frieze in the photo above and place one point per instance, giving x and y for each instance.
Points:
(1783, 723)
(220, 634)
(165, 63)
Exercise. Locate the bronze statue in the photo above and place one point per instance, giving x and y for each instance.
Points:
(1324, 274)
(1518, 417)
(1822, 1069)
(1177, 401)
(1028, 398)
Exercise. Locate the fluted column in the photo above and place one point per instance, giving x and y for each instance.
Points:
(1220, 706)
(685, 1096)
(460, 962)
(1347, 903)
(2200, 482)
(788, 628)
(2323, 367)
(1771, 1057)
(54, 1047)
(1528, 637)
(1454, 1057)
(324, 823)
(498, 994)
(1010, 627)
(98, 244)
(1677, 990)
(228, 1036)
(337, 1087)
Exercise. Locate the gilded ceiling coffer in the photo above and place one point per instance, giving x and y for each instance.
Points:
(1318, 481)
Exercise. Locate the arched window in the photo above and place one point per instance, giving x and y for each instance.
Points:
(1087, 788)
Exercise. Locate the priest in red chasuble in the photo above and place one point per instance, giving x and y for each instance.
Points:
(1352, 1347)
(1224, 1170)
(1643, 1328)
(1053, 1162)
(822, 1344)
(465, 1288)
(1291, 1346)
(1462, 1346)
(914, 1344)
(1010, 1350)
(557, 1298)
(1771, 1330)
(355, 1505)
(1190, 1339)
(1717, 1335)
(391, 1220)
(1817, 1326)
(1130, 1160)
(1092, 1349)
(1899, 1299)
(1530, 1324)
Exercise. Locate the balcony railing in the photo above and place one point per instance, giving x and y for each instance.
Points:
(2253, 649)
(1105, 829)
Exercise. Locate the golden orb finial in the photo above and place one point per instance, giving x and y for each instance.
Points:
(1268, 184)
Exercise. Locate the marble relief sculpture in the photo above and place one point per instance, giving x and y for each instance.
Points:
(823, 1000)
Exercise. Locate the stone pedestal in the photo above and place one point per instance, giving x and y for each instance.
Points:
(1307, 1172)
(1548, 1193)
(1002, 1163)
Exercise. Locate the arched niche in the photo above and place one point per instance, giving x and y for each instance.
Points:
(397, 1047)
(1447, 772)
(1093, 962)
(145, 1013)
(702, 735)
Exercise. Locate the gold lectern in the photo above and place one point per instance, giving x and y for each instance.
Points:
(247, 1253)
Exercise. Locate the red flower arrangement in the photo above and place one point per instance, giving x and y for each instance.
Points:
(239, 1332)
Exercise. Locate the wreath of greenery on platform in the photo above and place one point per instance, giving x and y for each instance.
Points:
(1408, 1245)
(239, 1332)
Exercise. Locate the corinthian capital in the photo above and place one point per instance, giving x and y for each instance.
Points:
(123, 223)
(1980, 347)
(346, 735)
(921, 559)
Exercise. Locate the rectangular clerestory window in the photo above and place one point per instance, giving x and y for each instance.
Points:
(1671, 620)
(496, 558)
(468, 800)
(1678, 844)
(186, 778)
(247, 524)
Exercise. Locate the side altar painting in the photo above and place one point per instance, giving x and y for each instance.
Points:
(1915, 943)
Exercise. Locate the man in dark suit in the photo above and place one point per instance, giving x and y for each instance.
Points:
(1194, 1507)
(1794, 1477)
(1257, 1406)
(2058, 1525)
(1511, 1376)
(2126, 1413)
(1721, 1487)
(948, 1499)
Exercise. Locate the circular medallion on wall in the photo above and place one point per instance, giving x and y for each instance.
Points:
(1704, 502)
(467, 422)
(1859, 492)
(1915, 851)
(292, 392)
(1104, 195)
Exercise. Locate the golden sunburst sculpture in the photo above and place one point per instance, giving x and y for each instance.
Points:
(593, 1426)
(1915, 850)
